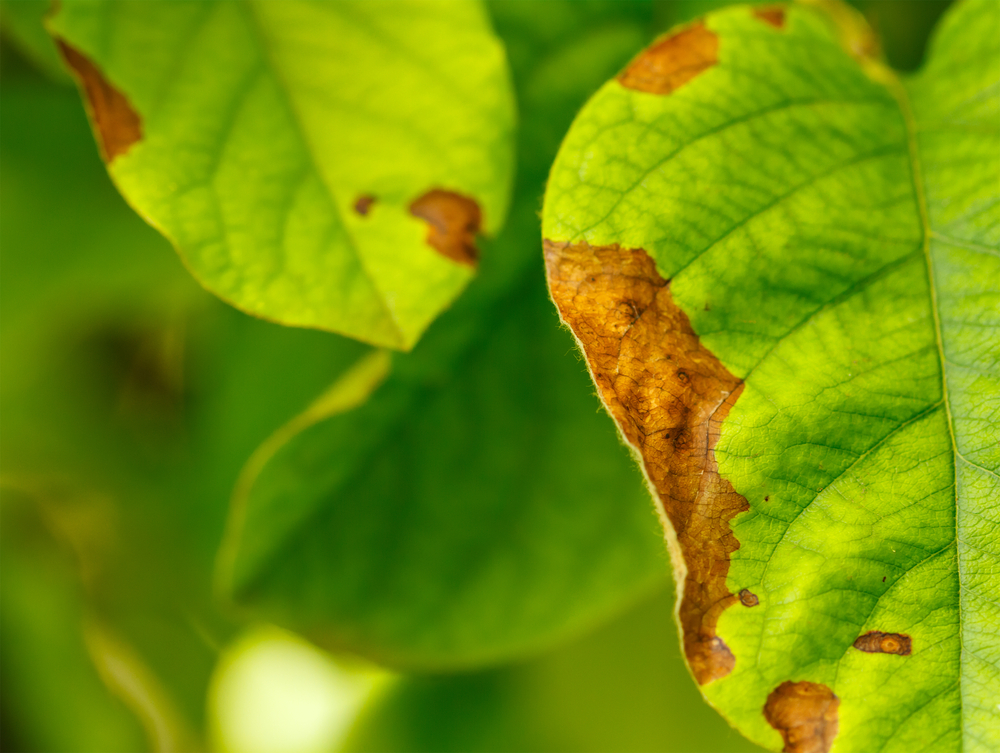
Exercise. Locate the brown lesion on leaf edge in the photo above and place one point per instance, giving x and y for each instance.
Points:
(672, 61)
(669, 396)
(116, 122)
(877, 642)
(805, 714)
(453, 220)
(773, 15)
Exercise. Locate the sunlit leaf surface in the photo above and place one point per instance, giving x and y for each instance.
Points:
(781, 261)
(319, 164)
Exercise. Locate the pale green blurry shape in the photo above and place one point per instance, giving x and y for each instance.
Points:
(273, 692)
(263, 123)
(833, 237)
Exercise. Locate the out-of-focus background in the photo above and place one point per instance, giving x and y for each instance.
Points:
(130, 401)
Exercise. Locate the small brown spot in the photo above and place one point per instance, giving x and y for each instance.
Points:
(363, 204)
(454, 221)
(773, 15)
(877, 642)
(669, 396)
(748, 599)
(767, 499)
(672, 61)
(805, 713)
(883, 578)
(117, 125)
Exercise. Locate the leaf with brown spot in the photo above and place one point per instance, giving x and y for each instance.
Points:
(262, 124)
(821, 438)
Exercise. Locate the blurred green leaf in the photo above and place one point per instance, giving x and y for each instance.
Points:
(130, 399)
(53, 698)
(291, 151)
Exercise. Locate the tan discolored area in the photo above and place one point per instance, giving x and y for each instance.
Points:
(877, 642)
(672, 61)
(805, 714)
(117, 125)
(363, 204)
(748, 599)
(669, 396)
(454, 221)
(774, 16)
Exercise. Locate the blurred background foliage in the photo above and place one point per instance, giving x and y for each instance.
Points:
(131, 399)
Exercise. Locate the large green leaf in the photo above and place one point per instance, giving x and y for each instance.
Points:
(475, 507)
(815, 389)
(319, 164)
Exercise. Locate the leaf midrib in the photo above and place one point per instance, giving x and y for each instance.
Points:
(898, 91)
(272, 64)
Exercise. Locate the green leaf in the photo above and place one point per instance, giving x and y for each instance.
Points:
(476, 507)
(319, 164)
(781, 261)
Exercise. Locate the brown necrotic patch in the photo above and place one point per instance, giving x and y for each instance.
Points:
(774, 16)
(669, 396)
(877, 642)
(363, 204)
(672, 61)
(805, 714)
(117, 125)
(748, 599)
(454, 221)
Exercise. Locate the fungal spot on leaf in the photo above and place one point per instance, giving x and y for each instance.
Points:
(363, 204)
(669, 396)
(672, 61)
(748, 599)
(454, 221)
(877, 642)
(773, 16)
(117, 125)
(805, 714)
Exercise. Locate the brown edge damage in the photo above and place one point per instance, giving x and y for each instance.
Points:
(773, 15)
(453, 222)
(805, 714)
(669, 396)
(672, 61)
(116, 124)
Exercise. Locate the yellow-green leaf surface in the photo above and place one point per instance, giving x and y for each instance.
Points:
(285, 147)
(822, 240)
